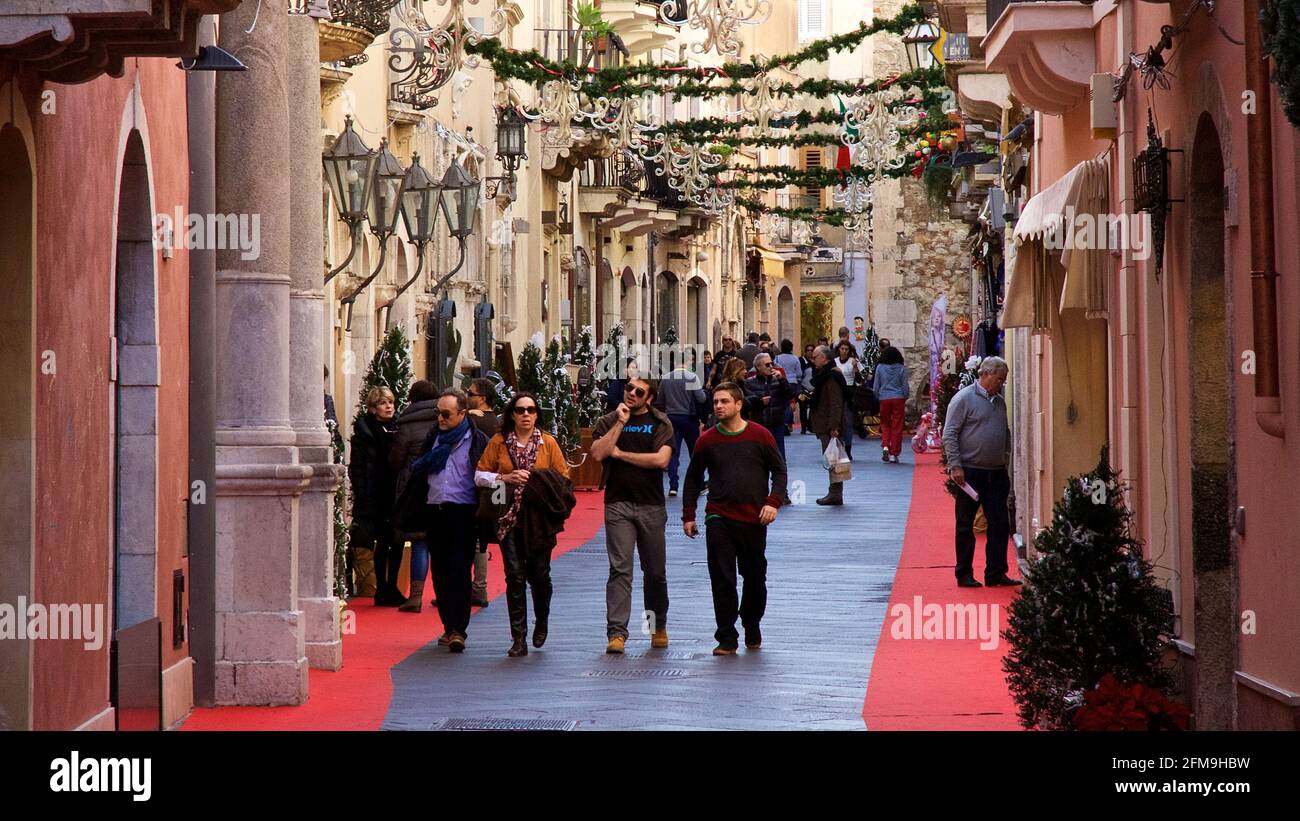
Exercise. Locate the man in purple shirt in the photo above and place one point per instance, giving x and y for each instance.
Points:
(452, 451)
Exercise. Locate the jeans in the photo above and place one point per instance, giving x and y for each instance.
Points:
(993, 487)
(419, 560)
(804, 411)
(730, 543)
(451, 554)
(525, 568)
(846, 428)
(685, 429)
(630, 525)
(891, 425)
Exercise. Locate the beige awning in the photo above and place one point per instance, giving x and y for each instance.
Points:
(1070, 212)
(773, 263)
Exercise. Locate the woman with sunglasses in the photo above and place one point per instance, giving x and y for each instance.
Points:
(512, 456)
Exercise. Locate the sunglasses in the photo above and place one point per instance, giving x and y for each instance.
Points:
(446, 414)
(522, 410)
(471, 393)
(634, 390)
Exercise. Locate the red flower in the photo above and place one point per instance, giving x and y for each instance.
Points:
(1138, 706)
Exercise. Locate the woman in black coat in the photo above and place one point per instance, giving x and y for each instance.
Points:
(374, 485)
(412, 491)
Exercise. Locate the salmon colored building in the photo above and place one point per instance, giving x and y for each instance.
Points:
(1179, 355)
(94, 353)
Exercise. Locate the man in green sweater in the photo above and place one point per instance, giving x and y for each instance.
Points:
(746, 477)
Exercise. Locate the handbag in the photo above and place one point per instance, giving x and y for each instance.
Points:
(865, 400)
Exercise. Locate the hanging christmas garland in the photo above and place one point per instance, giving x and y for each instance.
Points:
(665, 78)
(831, 216)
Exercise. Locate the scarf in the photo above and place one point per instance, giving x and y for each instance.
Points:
(442, 445)
(522, 457)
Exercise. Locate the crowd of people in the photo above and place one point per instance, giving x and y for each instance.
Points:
(450, 478)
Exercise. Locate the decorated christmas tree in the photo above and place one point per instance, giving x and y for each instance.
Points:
(591, 390)
(547, 379)
(1090, 607)
(870, 351)
(610, 365)
(389, 367)
(558, 395)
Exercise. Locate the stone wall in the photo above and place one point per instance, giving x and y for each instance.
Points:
(919, 254)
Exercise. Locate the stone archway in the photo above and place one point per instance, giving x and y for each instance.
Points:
(18, 362)
(135, 394)
(784, 315)
(1212, 444)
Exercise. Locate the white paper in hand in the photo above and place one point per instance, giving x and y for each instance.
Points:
(970, 491)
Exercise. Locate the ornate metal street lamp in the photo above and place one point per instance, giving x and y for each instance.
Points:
(385, 203)
(918, 41)
(349, 172)
(419, 211)
(512, 147)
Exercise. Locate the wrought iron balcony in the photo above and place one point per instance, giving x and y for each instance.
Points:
(619, 171)
(572, 45)
(352, 27)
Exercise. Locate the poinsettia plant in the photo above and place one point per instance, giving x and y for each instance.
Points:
(1137, 706)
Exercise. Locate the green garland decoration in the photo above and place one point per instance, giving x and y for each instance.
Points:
(631, 80)
(831, 216)
(1281, 22)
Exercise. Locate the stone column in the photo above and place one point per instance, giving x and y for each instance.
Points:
(316, 599)
(260, 657)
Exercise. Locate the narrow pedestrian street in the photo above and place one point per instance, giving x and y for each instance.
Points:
(832, 576)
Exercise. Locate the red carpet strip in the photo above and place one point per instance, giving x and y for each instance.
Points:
(937, 684)
(357, 697)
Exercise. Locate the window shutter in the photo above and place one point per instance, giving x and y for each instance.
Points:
(812, 159)
(812, 19)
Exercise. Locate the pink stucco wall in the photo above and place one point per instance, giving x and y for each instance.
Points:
(78, 157)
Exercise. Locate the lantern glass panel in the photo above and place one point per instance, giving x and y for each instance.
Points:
(350, 179)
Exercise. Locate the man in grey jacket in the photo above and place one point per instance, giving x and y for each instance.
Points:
(682, 392)
(977, 442)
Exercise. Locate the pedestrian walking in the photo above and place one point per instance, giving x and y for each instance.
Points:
(635, 444)
(977, 443)
(374, 486)
(539, 499)
(452, 452)
(482, 415)
(789, 364)
(890, 385)
(681, 393)
(747, 481)
(805, 388)
(749, 350)
(767, 395)
(826, 414)
(410, 516)
(847, 361)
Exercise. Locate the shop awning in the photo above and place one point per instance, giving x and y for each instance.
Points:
(773, 263)
(1066, 223)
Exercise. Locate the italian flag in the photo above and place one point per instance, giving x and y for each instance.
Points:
(844, 157)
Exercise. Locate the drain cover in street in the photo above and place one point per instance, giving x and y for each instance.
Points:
(552, 724)
(656, 673)
(658, 654)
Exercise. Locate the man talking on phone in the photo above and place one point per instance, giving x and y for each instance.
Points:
(740, 458)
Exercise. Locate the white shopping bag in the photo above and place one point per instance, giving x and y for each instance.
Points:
(836, 460)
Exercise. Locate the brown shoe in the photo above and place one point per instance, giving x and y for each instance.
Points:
(660, 639)
(615, 645)
(723, 650)
(412, 603)
(444, 639)
(456, 644)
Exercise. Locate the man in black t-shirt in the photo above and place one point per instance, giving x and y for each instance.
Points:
(635, 442)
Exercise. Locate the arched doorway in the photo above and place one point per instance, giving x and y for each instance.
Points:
(785, 314)
(1212, 444)
(135, 391)
(581, 291)
(697, 311)
(627, 304)
(18, 363)
(666, 306)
